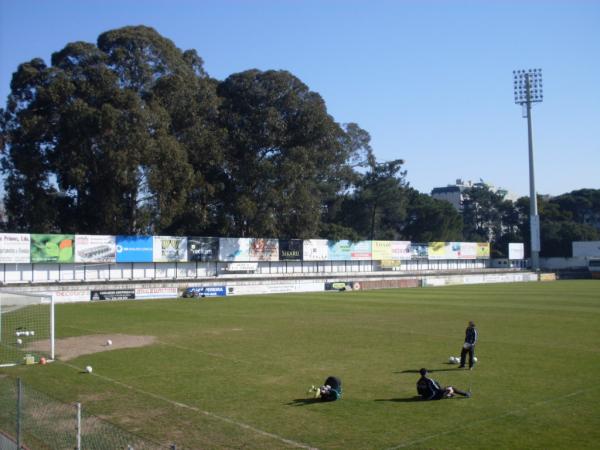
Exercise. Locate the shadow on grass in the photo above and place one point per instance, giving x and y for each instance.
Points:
(443, 369)
(416, 398)
(304, 401)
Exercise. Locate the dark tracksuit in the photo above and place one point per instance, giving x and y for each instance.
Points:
(336, 389)
(471, 339)
(429, 389)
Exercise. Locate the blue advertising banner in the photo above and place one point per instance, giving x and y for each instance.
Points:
(348, 250)
(339, 250)
(134, 248)
(234, 249)
(205, 291)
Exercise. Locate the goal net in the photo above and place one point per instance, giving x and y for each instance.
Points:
(26, 327)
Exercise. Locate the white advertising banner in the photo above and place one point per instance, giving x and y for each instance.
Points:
(15, 248)
(70, 296)
(467, 250)
(169, 249)
(516, 250)
(315, 250)
(274, 288)
(89, 248)
(156, 292)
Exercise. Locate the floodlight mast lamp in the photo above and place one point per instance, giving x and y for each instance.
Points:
(529, 89)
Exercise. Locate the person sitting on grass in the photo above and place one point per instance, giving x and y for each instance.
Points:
(430, 389)
(330, 391)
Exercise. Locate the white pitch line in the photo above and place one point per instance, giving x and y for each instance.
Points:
(200, 411)
(477, 422)
(195, 350)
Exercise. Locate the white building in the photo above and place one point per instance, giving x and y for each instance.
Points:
(453, 193)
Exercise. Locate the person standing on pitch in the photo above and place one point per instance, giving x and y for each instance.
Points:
(469, 346)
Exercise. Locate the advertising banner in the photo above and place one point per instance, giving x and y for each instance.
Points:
(419, 251)
(203, 248)
(234, 249)
(361, 251)
(15, 248)
(349, 251)
(205, 291)
(438, 250)
(90, 248)
(242, 267)
(113, 294)
(452, 250)
(134, 248)
(274, 288)
(264, 249)
(70, 296)
(388, 250)
(339, 250)
(169, 249)
(290, 249)
(390, 263)
(342, 286)
(462, 250)
(52, 248)
(516, 250)
(586, 248)
(483, 250)
(156, 292)
(315, 250)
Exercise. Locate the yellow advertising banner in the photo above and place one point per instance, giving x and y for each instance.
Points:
(390, 263)
(437, 250)
(382, 250)
(483, 250)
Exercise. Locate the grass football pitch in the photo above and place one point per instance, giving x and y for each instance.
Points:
(233, 372)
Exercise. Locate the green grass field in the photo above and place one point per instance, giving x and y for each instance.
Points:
(233, 372)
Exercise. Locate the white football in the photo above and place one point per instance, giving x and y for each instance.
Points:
(26, 333)
(32, 333)
(452, 360)
(109, 342)
(19, 341)
(474, 358)
(88, 369)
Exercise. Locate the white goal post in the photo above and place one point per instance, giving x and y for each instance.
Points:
(26, 327)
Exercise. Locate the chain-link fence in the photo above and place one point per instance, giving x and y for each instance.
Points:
(32, 420)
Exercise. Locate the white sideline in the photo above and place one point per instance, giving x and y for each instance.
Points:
(489, 419)
(198, 410)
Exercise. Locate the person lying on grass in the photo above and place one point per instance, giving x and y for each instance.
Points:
(430, 389)
(330, 391)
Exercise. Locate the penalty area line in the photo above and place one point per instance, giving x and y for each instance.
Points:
(488, 419)
(198, 410)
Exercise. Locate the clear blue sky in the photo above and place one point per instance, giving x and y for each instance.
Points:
(430, 80)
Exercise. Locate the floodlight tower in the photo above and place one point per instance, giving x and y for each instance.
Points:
(529, 89)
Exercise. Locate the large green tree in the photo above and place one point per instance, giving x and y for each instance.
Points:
(431, 220)
(102, 141)
(376, 207)
(284, 155)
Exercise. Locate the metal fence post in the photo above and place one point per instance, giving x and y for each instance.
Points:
(19, 405)
(78, 429)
